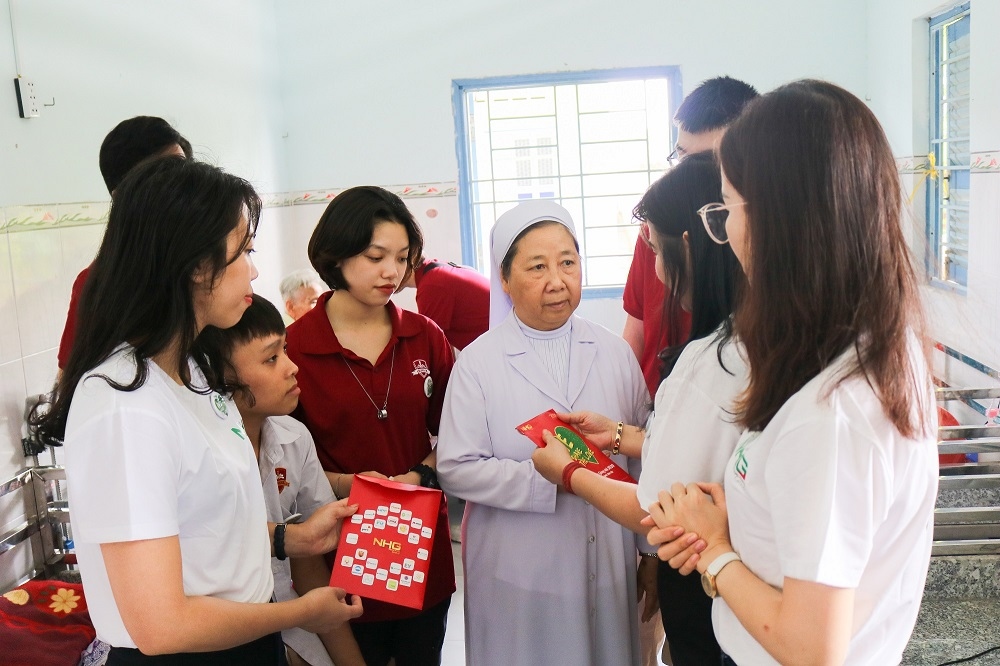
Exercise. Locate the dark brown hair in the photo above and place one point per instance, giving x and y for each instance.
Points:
(828, 265)
(347, 225)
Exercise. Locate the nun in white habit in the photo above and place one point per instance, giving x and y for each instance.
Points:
(548, 579)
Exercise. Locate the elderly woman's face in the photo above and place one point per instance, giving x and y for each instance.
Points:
(545, 277)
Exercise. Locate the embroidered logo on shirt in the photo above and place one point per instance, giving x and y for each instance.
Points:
(219, 406)
(742, 465)
(238, 432)
(420, 368)
(281, 474)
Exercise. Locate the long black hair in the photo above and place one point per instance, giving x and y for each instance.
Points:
(170, 217)
(670, 207)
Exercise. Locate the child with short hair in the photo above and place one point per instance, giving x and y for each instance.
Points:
(294, 482)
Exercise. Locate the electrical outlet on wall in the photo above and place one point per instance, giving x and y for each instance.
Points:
(27, 102)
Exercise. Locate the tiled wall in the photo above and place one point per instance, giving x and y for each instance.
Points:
(38, 264)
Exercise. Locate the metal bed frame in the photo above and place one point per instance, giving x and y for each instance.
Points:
(968, 530)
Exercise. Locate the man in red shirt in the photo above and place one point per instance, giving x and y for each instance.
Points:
(701, 121)
(130, 142)
(456, 298)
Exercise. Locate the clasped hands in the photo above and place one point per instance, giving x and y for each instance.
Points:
(690, 526)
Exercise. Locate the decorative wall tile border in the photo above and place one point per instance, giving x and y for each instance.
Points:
(54, 216)
(912, 164)
(987, 161)
(305, 197)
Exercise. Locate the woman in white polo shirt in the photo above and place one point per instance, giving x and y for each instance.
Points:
(167, 507)
(830, 492)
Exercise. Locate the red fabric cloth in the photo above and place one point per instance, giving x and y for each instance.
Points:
(44, 623)
(351, 439)
(456, 298)
(945, 418)
(644, 299)
(69, 330)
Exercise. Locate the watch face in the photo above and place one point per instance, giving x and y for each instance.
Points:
(708, 584)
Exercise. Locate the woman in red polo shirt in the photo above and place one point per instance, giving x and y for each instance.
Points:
(373, 378)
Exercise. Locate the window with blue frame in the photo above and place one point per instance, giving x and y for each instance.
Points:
(948, 186)
(593, 141)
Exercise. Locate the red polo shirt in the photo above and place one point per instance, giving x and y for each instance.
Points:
(456, 298)
(349, 436)
(69, 330)
(644, 299)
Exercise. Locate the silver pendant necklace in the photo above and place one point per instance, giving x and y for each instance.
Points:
(380, 413)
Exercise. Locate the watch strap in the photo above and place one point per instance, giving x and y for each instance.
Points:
(721, 561)
(279, 541)
(428, 477)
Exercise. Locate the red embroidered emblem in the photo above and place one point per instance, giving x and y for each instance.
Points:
(282, 475)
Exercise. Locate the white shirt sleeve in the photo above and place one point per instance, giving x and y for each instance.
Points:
(466, 463)
(123, 469)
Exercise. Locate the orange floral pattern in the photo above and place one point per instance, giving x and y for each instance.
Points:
(64, 601)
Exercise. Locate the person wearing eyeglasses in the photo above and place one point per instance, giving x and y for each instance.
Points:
(817, 547)
(701, 120)
(690, 435)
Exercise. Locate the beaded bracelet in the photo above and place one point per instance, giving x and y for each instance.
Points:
(567, 473)
(618, 438)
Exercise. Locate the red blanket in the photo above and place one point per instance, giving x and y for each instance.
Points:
(44, 623)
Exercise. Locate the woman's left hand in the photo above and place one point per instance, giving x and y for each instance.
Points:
(700, 508)
(551, 459)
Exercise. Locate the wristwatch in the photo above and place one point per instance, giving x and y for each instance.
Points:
(428, 477)
(708, 578)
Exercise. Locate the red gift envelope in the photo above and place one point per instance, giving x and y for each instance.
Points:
(579, 448)
(385, 547)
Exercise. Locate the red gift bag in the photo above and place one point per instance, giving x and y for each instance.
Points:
(581, 450)
(385, 548)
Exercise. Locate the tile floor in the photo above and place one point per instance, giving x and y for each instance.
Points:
(453, 653)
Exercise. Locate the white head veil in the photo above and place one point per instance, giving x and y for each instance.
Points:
(502, 236)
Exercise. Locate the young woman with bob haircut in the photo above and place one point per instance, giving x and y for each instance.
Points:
(373, 378)
(829, 495)
(168, 512)
(691, 434)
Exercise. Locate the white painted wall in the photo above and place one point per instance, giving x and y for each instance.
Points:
(209, 68)
(367, 86)
(897, 90)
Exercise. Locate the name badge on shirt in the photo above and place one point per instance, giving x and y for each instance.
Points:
(219, 405)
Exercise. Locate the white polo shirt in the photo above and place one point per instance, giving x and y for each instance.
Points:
(163, 461)
(830, 492)
(691, 433)
(293, 482)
